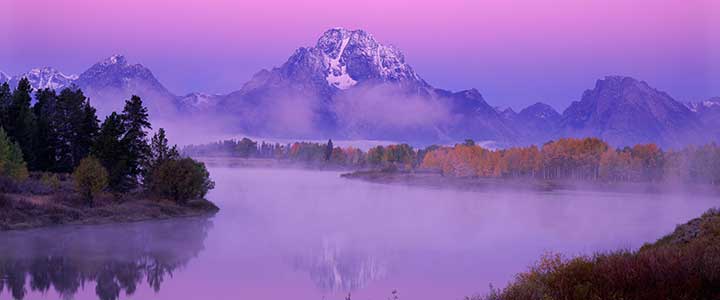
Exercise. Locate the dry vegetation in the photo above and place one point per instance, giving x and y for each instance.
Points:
(682, 265)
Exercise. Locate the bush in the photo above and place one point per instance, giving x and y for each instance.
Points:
(90, 178)
(181, 180)
(11, 159)
(51, 180)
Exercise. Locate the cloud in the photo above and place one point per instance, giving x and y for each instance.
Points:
(384, 106)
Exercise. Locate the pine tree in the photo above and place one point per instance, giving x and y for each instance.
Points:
(160, 149)
(5, 102)
(22, 124)
(45, 110)
(86, 132)
(328, 150)
(160, 152)
(135, 122)
(112, 152)
(76, 125)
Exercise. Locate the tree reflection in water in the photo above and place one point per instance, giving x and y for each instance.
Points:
(116, 257)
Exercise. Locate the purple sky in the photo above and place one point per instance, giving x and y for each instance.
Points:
(515, 52)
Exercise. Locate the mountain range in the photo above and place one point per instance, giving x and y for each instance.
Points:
(350, 86)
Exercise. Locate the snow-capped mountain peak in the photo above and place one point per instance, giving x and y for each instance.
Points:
(45, 77)
(116, 72)
(355, 55)
(342, 58)
(115, 59)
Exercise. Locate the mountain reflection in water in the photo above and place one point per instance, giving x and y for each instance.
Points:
(335, 267)
(116, 257)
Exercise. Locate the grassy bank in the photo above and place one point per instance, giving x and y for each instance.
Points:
(35, 203)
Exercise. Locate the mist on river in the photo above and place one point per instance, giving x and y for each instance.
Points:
(290, 233)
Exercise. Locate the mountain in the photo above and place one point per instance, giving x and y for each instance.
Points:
(109, 82)
(507, 114)
(626, 111)
(708, 112)
(198, 102)
(537, 123)
(41, 78)
(351, 86)
(4, 77)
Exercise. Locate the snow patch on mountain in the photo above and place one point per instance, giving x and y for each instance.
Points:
(198, 101)
(699, 106)
(338, 75)
(4, 77)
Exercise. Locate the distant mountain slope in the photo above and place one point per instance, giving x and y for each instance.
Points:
(4, 77)
(624, 111)
(708, 112)
(537, 123)
(109, 82)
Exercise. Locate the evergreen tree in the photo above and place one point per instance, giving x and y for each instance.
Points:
(86, 132)
(5, 102)
(76, 125)
(112, 152)
(160, 152)
(160, 149)
(21, 122)
(328, 150)
(45, 110)
(135, 122)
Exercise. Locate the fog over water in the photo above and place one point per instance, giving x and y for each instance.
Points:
(297, 234)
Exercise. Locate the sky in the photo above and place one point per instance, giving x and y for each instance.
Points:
(515, 52)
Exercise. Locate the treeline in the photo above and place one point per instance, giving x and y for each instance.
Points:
(401, 156)
(580, 159)
(589, 159)
(61, 133)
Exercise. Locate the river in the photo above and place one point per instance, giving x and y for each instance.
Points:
(299, 234)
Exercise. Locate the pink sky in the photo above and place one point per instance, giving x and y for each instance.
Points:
(515, 52)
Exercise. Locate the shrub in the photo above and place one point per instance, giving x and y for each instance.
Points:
(181, 180)
(90, 178)
(11, 159)
(51, 180)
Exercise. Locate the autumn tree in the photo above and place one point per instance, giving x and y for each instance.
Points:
(90, 178)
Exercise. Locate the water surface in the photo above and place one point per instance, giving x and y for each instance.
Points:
(296, 234)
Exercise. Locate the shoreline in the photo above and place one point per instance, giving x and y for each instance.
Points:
(438, 181)
(21, 212)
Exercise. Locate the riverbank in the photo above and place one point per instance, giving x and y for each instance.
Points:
(267, 163)
(25, 211)
(681, 265)
(437, 180)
